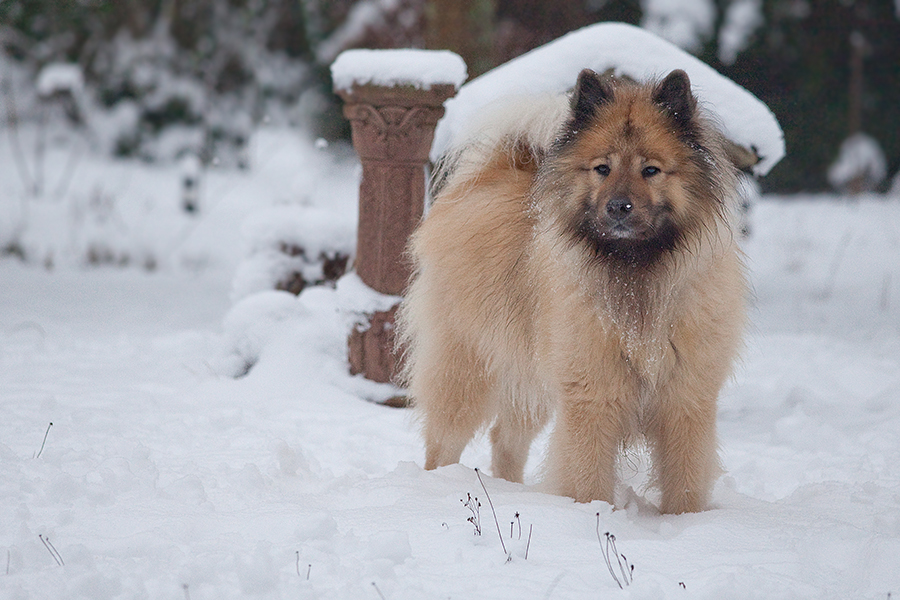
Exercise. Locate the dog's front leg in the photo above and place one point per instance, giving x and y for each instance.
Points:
(683, 439)
(585, 443)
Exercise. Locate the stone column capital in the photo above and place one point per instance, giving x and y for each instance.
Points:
(394, 124)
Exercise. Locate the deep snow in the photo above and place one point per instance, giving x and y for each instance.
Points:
(163, 477)
(166, 476)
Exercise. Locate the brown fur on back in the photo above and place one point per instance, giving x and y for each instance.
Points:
(592, 274)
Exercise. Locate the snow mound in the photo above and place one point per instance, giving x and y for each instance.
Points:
(250, 327)
(419, 68)
(627, 51)
(860, 161)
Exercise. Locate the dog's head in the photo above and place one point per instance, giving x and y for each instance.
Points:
(631, 171)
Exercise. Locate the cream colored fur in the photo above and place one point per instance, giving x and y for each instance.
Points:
(507, 322)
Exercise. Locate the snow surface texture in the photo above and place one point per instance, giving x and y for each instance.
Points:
(419, 68)
(629, 51)
(164, 477)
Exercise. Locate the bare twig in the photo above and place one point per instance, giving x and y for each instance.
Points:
(496, 522)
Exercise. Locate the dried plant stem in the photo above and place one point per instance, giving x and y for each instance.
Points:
(474, 507)
(46, 433)
(624, 568)
(52, 550)
(496, 522)
(528, 543)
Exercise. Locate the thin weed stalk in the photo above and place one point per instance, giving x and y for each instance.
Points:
(52, 550)
(474, 507)
(308, 568)
(625, 569)
(528, 543)
(46, 433)
(496, 521)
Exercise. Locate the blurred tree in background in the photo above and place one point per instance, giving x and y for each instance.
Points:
(202, 73)
(800, 62)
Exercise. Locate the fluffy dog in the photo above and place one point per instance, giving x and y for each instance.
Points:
(579, 260)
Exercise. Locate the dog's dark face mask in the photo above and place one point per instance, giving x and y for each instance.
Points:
(624, 167)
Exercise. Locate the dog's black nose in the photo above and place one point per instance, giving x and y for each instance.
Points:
(619, 207)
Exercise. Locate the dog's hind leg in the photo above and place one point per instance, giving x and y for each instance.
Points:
(454, 396)
(511, 438)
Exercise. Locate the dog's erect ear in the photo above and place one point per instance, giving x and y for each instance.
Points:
(591, 91)
(673, 94)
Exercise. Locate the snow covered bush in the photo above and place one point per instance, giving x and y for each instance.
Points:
(685, 24)
(860, 165)
(291, 247)
(304, 232)
(206, 104)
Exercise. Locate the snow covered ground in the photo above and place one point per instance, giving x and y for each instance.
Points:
(163, 476)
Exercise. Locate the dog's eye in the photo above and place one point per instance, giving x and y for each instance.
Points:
(603, 170)
(648, 172)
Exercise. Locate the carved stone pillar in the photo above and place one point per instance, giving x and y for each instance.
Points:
(393, 128)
